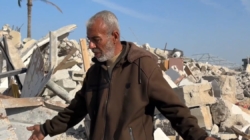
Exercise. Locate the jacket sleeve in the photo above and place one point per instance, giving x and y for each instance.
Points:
(69, 117)
(170, 105)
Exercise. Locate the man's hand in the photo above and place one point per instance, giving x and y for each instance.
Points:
(210, 138)
(37, 134)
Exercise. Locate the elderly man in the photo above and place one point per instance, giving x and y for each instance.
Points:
(120, 92)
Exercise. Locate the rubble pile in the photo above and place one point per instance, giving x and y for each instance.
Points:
(216, 95)
(40, 78)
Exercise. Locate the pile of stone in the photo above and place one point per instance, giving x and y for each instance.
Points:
(217, 96)
(54, 71)
(56, 66)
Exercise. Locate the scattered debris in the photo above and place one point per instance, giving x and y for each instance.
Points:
(42, 77)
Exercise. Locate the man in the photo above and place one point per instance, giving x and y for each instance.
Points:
(120, 92)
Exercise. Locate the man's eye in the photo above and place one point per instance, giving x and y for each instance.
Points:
(97, 40)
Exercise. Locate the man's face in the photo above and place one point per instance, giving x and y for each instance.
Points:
(100, 42)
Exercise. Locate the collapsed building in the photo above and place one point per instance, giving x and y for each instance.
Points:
(39, 78)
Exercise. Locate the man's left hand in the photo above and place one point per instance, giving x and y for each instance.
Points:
(210, 138)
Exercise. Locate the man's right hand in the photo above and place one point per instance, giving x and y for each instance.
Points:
(36, 133)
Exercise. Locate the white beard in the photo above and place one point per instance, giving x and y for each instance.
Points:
(110, 52)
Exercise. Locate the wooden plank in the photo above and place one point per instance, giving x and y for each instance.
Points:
(85, 55)
(35, 80)
(63, 62)
(6, 129)
(22, 102)
(53, 50)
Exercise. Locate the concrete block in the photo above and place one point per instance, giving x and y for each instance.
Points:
(67, 84)
(169, 80)
(172, 74)
(196, 95)
(60, 74)
(204, 117)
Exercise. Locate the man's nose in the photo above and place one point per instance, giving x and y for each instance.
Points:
(92, 45)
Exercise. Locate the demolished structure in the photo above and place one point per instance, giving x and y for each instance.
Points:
(40, 78)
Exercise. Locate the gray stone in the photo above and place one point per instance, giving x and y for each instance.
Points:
(240, 96)
(246, 93)
(219, 111)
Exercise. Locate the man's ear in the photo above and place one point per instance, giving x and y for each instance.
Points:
(116, 36)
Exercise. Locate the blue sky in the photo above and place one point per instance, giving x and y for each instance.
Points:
(218, 27)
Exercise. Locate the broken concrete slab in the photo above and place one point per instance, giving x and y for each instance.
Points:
(7, 131)
(67, 84)
(174, 75)
(204, 117)
(18, 118)
(60, 75)
(196, 95)
(237, 116)
(169, 80)
(227, 84)
(35, 80)
(185, 82)
(60, 32)
(22, 102)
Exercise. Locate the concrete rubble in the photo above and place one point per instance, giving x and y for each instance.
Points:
(38, 78)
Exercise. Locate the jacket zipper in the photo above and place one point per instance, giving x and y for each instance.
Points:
(131, 133)
(106, 104)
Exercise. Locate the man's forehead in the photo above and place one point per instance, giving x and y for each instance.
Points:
(97, 28)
